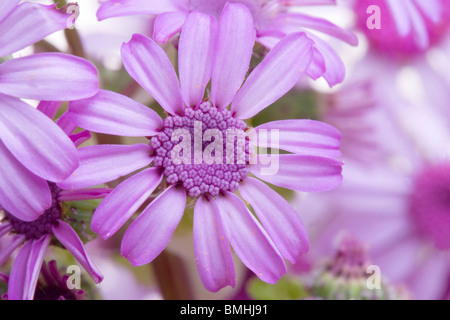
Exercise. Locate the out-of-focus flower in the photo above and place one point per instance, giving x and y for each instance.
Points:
(36, 235)
(219, 215)
(272, 20)
(347, 274)
(352, 109)
(33, 150)
(405, 26)
(399, 207)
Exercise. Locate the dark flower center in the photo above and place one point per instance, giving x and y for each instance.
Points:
(430, 204)
(52, 285)
(205, 150)
(42, 225)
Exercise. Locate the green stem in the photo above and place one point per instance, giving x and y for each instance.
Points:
(46, 46)
(74, 42)
(72, 37)
(172, 277)
(60, 3)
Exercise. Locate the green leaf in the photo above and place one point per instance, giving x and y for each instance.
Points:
(287, 288)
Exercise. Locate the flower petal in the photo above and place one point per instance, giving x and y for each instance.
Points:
(150, 233)
(80, 137)
(279, 219)
(307, 137)
(309, 2)
(6, 7)
(318, 24)
(66, 124)
(335, 68)
(150, 66)
(5, 227)
(317, 67)
(83, 194)
(212, 250)
(49, 108)
(402, 21)
(112, 113)
(36, 141)
(432, 9)
(250, 242)
(426, 282)
(104, 163)
(22, 193)
(11, 247)
(167, 25)
(196, 47)
(49, 76)
(280, 70)
(36, 22)
(26, 269)
(122, 203)
(233, 51)
(120, 8)
(70, 240)
(302, 173)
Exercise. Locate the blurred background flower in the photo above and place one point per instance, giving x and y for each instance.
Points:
(392, 108)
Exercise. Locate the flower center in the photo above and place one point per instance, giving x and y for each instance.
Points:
(205, 150)
(430, 204)
(53, 285)
(42, 225)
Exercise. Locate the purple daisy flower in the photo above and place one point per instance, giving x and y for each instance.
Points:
(220, 52)
(36, 235)
(398, 205)
(406, 27)
(52, 285)
(272, 21)
(33, 150)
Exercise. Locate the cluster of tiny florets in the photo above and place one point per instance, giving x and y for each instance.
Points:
(201, 179)
(42, 225)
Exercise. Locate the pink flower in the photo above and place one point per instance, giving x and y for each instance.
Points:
(399, 205)
(407, 26)
(33, 149)
(36, 235)
(272, 21)
(220, 53)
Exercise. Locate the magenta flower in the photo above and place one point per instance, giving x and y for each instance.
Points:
(272, 21)
(398, 206)
(33, 150)
(402, 217)
(36, 235)
(407, 27)
(221, 53)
